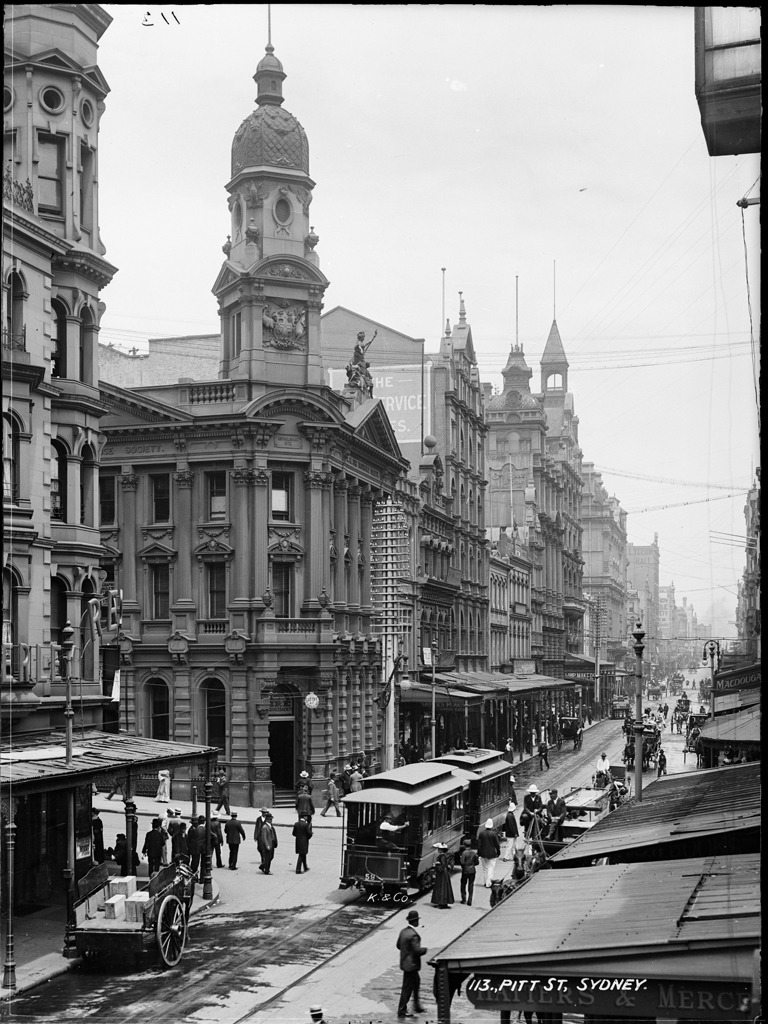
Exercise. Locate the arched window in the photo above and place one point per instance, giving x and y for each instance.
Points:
(59, 340)
(158, 709)
(10, 607)
(88, 478)
(10, 460)
(14, 333)
(58, 481)
(215, 711)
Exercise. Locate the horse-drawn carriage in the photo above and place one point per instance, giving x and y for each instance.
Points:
(620, 706)
(651, 747)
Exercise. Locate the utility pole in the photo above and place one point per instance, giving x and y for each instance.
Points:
(598, 641)
(638, 647)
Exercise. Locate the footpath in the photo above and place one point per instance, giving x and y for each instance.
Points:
(38, 937)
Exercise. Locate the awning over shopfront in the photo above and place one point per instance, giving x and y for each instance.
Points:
(674, 939)
(38, 763)
(717, 810)
(728, 703)
(445, 694)
(746, 677)
(738, 729)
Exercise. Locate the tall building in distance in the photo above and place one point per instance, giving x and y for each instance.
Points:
(643, 577)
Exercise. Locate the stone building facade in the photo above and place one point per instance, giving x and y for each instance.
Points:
(643, 579)
(238, 511)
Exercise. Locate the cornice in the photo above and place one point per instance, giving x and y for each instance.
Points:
(88, 264)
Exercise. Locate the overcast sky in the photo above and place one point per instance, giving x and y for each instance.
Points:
(495, 142)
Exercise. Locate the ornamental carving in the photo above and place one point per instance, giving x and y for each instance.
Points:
(244, 477)
(284, 326)
(262, 433)
(184, 478)
(304, 196)
(148, 533)
(255, 196)
(285, 270)
(367, 498)
(129, 481)
(313, 479)
(340, 485)
(318, 436)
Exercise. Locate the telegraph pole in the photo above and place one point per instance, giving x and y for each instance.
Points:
(638, 647)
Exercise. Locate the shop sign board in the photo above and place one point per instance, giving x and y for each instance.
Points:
(612, 997)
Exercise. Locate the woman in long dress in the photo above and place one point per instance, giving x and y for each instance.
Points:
(163, 787)
(442, 893)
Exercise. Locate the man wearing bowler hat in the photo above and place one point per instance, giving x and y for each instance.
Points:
(411, 952)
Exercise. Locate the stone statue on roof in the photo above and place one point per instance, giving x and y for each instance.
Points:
(358, 374)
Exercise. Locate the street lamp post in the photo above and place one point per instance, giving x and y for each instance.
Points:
(434, 716)
(712, 651)
(638, 647)
(67, 647)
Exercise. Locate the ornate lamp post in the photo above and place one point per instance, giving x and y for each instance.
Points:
(433, 720)
(712, 651)
(67, 646)
(638, 647)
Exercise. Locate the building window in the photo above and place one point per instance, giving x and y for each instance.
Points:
(282, 588)
(282, 498)
(58, 482)
(14, 334)
(50, 174)
(217, 590)
(161, 585)
(159, 710)
(236, 333)
(52, 99)
(161, 497)
(215, 700)
(59, 341)
(10, 460)
(88, 477)
(86, 187)
(107, 494)
(217, 495)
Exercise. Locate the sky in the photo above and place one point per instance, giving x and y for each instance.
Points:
(549, 153)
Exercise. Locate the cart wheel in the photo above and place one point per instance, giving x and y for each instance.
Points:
(171, 929)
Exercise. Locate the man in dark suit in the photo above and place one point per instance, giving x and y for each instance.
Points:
(235, 834)
(411, 952)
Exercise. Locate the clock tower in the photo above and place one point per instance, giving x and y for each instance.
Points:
(270, 288)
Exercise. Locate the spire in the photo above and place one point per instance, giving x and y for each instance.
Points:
(462, 311)
(553, 361)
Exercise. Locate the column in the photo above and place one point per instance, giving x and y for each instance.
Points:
(259, 529)
(72, 497)
(340, 525)
(243, 526)
(366, 525)
(128, 527)
(353, 507)
(314, 483)
(183, 479)
(72, 368)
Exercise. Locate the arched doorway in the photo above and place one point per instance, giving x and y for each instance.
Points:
(159, 709)
(282, 738)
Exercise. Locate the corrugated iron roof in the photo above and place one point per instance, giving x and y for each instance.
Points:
(35, 763)
(618, 911)
(675, 807)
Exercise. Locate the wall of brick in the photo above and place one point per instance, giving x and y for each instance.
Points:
(168, 360)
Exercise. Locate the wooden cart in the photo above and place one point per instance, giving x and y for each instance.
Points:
(114, 915)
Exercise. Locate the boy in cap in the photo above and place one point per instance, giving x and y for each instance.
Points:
(411, 952)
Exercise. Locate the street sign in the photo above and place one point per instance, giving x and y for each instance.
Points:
(311, 700)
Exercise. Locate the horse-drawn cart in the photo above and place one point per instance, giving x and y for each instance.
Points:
(115, 916)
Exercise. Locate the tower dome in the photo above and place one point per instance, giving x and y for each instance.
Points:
(270, 136)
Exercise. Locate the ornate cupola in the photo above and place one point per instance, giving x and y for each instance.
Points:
(270, 288)
(516, 373)
(554, 365)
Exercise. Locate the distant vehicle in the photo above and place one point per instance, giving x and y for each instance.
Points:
(620, 706)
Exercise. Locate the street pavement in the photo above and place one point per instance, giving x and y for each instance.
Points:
(38, 939)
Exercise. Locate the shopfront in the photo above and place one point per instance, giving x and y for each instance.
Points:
(669, 941)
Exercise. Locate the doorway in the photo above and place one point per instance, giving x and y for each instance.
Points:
(282, 740)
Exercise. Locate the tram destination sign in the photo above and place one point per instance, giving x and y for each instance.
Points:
(611, 997)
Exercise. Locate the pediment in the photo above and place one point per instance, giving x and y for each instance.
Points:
(155, 551)
(230, 274)
(212, 547)
(288, 269)
(371, 424)
(130, 408)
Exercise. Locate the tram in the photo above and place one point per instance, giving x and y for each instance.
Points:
(392, 824)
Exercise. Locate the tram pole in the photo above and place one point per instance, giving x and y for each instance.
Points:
(638, 647)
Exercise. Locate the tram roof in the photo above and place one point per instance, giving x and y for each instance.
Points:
(411, 785)
(480, 764)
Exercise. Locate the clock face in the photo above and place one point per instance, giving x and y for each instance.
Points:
(311, 700)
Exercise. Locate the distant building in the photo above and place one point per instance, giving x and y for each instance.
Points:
(643, 578)
(167, 361)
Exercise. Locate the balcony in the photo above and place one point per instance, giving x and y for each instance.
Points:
(294, 632)
(15, 341)
(212, 627)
